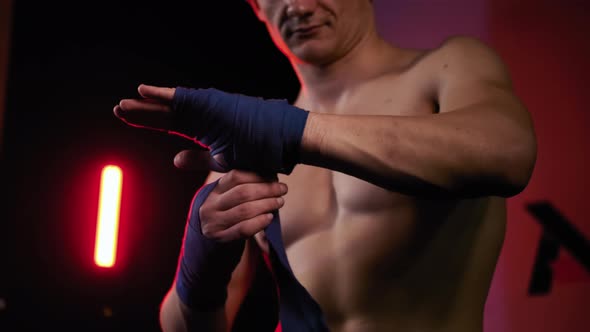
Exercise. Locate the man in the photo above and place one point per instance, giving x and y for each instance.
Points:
(394, 216)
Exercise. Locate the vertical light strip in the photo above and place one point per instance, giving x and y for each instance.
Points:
(107, 226)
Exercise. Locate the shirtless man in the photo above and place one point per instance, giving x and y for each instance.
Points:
(395, 213)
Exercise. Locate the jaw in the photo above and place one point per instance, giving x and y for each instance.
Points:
(313, 52)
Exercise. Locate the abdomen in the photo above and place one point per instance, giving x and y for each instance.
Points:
(429, 261)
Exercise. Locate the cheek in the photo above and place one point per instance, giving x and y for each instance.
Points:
(269, 10)
(349, 33)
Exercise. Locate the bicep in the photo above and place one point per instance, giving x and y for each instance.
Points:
(471, 73)
(476, 99)
(475, 89)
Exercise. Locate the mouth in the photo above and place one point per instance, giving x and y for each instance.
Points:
(303, 31)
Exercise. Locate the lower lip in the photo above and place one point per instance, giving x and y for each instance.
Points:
(307, 32)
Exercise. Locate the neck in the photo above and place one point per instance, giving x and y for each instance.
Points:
(326, 83)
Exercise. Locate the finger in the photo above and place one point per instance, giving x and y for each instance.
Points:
(236, 177)
(246, 228)
(150, 91)
(193, 160)
(249, 192)
(249, 210)
(144, 114)
(145, 105)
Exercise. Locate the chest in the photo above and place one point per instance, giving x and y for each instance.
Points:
(317, 197)
(410, 94)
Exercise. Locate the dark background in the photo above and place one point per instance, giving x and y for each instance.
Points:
(71, 62)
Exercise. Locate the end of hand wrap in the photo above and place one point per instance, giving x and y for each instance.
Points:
(205, 265)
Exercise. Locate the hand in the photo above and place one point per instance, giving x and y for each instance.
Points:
(154, 111)
(240, 206)
(241, 132)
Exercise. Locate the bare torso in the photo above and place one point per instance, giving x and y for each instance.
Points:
(377, 260)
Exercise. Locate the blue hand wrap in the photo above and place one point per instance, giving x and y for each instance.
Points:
(205, 265)
(205, 268)
(250, 133)
(299, 312)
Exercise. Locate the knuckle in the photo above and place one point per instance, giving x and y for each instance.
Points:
(242, 231)
(242, 193)
(276, 188)
(208, 231)
(261, 222)
(276, 203)
(202, 212)
(262, 191)
(212, 232)
(242, 211)
(205, 212)
(230, 177)
(238, 176)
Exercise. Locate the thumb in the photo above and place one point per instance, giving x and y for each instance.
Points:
(197, 160)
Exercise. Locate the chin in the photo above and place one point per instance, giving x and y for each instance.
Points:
(313, 54)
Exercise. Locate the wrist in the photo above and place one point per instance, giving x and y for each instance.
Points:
(313, 138)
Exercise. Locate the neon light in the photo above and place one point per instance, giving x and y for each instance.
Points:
(107, 226)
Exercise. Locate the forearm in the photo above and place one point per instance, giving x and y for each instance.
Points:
(199, 294)
(177, 317)
(455, 153)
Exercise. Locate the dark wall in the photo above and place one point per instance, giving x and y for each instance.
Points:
(5, 34)
(542, 281)
(70, 64)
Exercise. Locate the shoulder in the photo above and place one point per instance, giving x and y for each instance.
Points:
(468, 58)
(451, 48)
(455, 55)
(461, 44)
(463, 59)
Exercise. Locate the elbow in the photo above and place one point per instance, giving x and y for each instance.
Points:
(172, 315)
(164, 313)
(519, 163)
